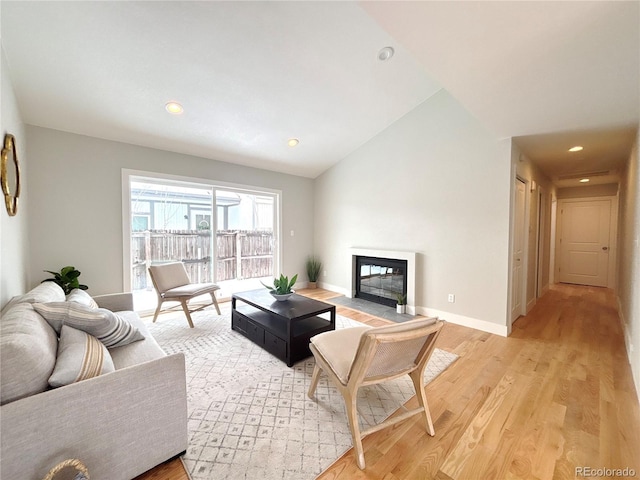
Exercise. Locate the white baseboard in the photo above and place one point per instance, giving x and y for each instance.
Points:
(628, 346)
(531, 303)
(470, 322)
(334, 288)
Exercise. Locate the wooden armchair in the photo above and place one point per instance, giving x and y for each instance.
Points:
(172, 283)
(360, 356)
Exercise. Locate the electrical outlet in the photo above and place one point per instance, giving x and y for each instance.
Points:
(324, 274)
(451, 298)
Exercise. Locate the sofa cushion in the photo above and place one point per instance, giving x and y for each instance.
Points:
(137, 352)
(28, 347)
(43, 293)
(111, 329)
(82, 297)
(80, 356)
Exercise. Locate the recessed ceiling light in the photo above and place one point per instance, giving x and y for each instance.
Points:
(577, 148)
(584, 180)
(174, 108)
(292, 142)
(385, 54)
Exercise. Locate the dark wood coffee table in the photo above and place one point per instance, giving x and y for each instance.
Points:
(281, 328)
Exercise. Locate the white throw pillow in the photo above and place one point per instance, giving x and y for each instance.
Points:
(28, 347)
(82, 297)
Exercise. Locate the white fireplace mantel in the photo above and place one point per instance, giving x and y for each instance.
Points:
(410, 258)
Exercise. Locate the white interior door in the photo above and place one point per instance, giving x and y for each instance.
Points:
(584, 242)
(517, 258)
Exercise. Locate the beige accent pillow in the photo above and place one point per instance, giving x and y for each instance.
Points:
(80, 356)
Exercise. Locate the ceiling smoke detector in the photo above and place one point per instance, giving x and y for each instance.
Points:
(385, 54)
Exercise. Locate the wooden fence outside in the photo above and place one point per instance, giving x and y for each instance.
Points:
(241, 254)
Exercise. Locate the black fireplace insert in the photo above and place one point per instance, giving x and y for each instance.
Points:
(381, 280)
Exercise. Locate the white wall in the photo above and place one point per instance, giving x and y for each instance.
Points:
(533, 176)
(14, 258)
(437, 183)
(76, 193)
(629, 263)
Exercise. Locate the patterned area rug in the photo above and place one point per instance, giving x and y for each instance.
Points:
(249, 414)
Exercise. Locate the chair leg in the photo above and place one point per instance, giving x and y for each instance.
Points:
(352, 414)
(186, 312)
(314, 381)
(418, 383)
(215, 302)
(155, 315)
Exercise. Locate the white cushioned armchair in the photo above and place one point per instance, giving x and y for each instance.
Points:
(172, 284)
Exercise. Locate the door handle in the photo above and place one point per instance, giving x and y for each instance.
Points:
(605, 248)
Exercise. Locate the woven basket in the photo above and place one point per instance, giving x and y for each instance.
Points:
(82, 474)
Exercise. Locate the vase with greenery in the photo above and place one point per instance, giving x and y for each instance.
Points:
(401, 306)
(314, 265)
(282, 287)
(67, 278)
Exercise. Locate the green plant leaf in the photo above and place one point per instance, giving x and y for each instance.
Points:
(64, 271)
(73, 275)
(281, 285)
(313, 267)
(67, 279)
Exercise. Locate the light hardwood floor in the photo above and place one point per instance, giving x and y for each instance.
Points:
(555, 395)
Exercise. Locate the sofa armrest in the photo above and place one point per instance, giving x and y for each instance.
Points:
(119, 425)
(116, 302)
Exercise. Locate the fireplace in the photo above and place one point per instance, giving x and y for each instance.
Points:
(392, 280)
(381, 280)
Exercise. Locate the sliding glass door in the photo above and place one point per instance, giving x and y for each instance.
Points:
(222, 234)
(245, 239)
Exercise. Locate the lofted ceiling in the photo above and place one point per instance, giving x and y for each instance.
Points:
(251, 75)
(550, 74)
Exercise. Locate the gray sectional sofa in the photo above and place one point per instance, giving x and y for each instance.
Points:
(119, 424)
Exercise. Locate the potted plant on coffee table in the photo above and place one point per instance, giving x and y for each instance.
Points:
(314, 265)
(282, 287)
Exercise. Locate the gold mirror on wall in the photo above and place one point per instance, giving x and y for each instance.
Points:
(10, 174)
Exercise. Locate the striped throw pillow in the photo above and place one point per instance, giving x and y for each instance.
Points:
(80, 356)
(108, 327)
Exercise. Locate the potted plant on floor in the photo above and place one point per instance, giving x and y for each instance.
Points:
(314, 265)
(281, 288)
(401, 306)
